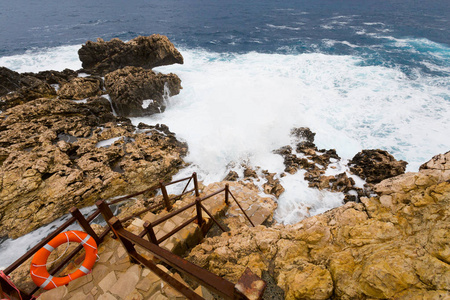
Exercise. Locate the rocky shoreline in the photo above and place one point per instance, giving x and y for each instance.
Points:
(66, 140)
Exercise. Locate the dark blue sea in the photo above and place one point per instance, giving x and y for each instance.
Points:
(360, 74)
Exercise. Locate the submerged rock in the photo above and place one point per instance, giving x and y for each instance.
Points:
(102, 57)
(392, 246)
(138, 92)
(57, 154)
(376, 165)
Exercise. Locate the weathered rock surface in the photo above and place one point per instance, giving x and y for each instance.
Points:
(376, 165)
(137, 92)
(55, 77)
(57, 154)
(316, 162)
(102, 57)
(393, 246)
(81, 88)
(18, 88)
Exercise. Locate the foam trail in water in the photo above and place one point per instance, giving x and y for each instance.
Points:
(58, 59)
(11, 250)
(238, 108)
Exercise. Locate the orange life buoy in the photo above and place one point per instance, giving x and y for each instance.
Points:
(38, 268)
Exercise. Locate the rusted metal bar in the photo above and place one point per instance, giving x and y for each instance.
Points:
(33, 250)
(180, 195)
(133, 195)
(141, 212)
(187, 184)
(84, 223)
(176, 181)
(93, 216)
(176, 212)
(212, 218)
(227, 190)
(242, 209)
(150, 233)
(175, 230)
(213, 194)
(187, 292)
(104, 209)
(10, 292)
(250, 285)
(207, 279)
(165, 196)
(116, 226)
(197, 193)
(198, 207)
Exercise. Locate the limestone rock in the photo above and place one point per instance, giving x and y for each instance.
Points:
(232, 176)
(55, 77)
(102, 57)
(376, 165)
(137, 92)
(392, 246)
(56, 154)
(272, 186)
(16, 89)
(80, 88)
(317, 162)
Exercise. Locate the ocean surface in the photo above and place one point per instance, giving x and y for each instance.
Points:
(360, 74)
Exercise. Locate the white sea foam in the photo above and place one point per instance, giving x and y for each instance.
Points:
(108, 142)
(57, 59)
(238, 108)
(283, 27)
(11, 250)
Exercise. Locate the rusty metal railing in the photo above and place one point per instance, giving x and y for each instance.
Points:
(85, 225)
(149, 226)
(248, 287)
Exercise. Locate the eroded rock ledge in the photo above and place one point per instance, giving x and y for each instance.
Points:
(394, 245)
(102, 57)
(57, 154)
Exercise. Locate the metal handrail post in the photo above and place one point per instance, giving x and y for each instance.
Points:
(150, 233)
(116, 225)
(84, 224)
(198, 207)
(105, 211)
(227, 190)
(165, 195)
(197, 193)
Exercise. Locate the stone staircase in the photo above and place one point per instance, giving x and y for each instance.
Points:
(114, 276)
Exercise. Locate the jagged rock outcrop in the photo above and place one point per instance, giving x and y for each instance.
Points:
(315, 161)
(376, 165)
(392, 246)
(138, 92)
(56, 154)
(102, 57)
(81, 88)
(55, 77)
(18, 88)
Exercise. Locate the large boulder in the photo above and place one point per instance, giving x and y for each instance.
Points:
(138, 92)
(392, 246)
(376, 165)
(56, 154)
(103, 57)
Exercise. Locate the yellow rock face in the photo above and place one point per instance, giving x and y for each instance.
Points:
(392, 246)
